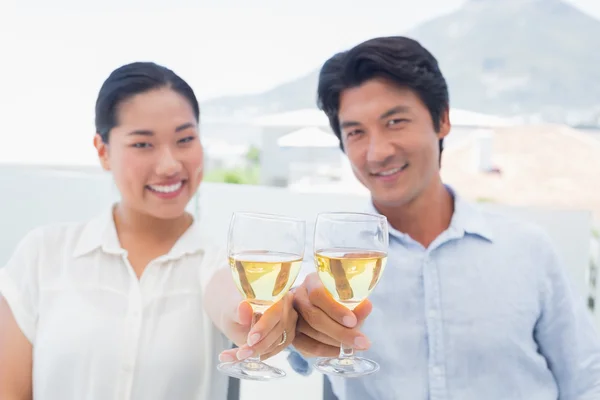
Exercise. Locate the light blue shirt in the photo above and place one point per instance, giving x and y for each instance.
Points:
(485, 313)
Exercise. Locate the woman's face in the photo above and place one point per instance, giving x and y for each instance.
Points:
(154, 153)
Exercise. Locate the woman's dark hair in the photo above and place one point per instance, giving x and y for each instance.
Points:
(129, 80)
(398, 59)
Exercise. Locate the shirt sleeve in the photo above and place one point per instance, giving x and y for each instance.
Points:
(298, 362)
(19, 283)
(215, 258)
(565, 332)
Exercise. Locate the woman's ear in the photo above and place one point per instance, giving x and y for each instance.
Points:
(102, 149)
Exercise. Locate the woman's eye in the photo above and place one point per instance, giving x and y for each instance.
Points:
(141, 145)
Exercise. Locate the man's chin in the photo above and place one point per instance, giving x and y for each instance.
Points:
(390, 200)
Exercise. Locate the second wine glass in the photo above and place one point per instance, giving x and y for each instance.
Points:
(350, 255)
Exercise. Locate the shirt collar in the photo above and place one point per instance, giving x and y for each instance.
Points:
(100, 233)
(466, 219)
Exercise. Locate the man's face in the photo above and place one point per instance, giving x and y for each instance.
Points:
(389, 137)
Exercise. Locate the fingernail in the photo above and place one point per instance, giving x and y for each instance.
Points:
(226, 357)
(349, 321)
(253, 339)
(243, 354)
(361, 342)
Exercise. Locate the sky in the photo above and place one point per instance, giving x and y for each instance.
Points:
(222, 46)
(56, 54)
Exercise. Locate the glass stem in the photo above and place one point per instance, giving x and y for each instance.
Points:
(346, 352)
(255, 317)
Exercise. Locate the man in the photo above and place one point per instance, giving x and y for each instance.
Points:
(471, 305)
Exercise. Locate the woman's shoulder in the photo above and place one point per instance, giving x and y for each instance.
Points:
(54, 236)
(56, 239)
(48, 235)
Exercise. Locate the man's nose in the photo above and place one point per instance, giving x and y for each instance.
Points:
(380, 148)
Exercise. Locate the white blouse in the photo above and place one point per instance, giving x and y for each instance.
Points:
(99, 333)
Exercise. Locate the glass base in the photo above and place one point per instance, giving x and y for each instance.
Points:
(348, 367)
(251, 370)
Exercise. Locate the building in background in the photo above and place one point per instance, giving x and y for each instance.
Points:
(299, 150)
(550, 166)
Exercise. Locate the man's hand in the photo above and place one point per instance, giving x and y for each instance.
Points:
(323, 323)
(267, 337)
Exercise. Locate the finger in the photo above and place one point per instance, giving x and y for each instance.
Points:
(312, 282)
(266, 323)
(311, 348)
(237, 323)
(281, 345)
(276, 349)
(290, 333)
(280, 336)
(306, 329)
(243, 315)
(271, 340)
(321, 322)
(362, 311)
(228, 355)
(321, 298)
(288, 305)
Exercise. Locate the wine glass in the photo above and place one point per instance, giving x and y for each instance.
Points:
(350, 255)
(265, 255)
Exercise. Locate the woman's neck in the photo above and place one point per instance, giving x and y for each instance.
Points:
(131, 222)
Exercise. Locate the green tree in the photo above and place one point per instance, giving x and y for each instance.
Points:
(242, 176)
(233, 177)
(253, 155)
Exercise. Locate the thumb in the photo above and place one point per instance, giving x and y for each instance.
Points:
(363, 310)
(244, 313)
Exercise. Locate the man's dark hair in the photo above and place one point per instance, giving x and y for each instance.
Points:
(399, 59)
(129, 80)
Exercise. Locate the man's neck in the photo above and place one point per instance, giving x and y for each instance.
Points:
(425, 217)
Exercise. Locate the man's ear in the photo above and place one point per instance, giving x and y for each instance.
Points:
(445, 125)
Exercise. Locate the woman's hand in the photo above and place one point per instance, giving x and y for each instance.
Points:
(273, 332)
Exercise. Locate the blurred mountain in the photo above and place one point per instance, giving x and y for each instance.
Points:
(508, 57)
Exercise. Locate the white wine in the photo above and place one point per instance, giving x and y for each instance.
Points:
(350, 274)
(264, 277)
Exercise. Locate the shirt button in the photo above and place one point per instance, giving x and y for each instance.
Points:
(437, 370)
(432, 314)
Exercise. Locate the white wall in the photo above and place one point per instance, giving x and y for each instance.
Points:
(31, 196)
(570, 231)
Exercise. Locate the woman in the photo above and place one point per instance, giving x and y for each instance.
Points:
(113, 308)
